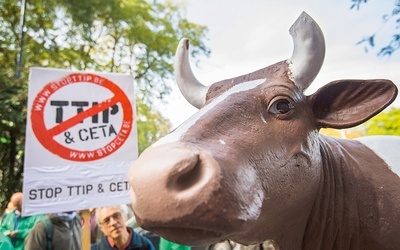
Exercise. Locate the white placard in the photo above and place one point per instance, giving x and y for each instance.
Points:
(81, 138)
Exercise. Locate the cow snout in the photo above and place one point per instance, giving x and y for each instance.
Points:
(169, 182)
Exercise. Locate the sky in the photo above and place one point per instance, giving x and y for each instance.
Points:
(245, 36)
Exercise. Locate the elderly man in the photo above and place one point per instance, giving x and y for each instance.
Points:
(112, 222)
(15, 226)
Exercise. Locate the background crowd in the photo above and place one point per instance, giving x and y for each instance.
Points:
(111, 227)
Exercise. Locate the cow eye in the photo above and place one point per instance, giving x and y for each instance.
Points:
(281, 106)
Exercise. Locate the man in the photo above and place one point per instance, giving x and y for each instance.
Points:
(14, 225)
(56, 231)
(112, 222)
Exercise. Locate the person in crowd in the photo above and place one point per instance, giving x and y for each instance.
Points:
(169, 245)
(154, 238)
(14, 225)
(112, 222)
(56, 231)
(95, 233)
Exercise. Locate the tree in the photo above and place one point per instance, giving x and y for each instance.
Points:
(385, 123)
(12, 131)
(394, 43)
(151, 125)
(137, 37)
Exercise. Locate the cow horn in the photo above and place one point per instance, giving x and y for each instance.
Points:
(308, 52)
(190, 87)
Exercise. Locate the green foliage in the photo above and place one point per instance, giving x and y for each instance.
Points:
(385, 123)
(12, 132)
(136, 37)
(151, 126)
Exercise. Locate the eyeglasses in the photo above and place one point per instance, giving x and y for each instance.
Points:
(106, 221)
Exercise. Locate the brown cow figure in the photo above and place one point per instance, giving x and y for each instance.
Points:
(251, 166)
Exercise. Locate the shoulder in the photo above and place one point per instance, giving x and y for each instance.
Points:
(102, 245)
(8, 217)
(40, 225)
(140, 241)
(38, 231)
(94, 246)
(31, 219)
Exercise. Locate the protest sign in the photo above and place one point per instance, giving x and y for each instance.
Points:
(80, 140)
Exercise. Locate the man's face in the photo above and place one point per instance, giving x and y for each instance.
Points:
(112, 221)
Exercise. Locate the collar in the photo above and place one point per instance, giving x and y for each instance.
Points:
(113, 245)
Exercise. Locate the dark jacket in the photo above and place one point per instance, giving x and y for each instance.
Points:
(137, 243)
(64, 236)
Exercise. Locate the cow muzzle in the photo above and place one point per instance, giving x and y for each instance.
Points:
(171, 181)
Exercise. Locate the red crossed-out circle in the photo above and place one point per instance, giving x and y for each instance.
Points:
(46, 135)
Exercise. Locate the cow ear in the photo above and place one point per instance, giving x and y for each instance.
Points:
(348, 103)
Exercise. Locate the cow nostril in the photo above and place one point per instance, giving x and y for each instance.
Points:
(189, 178)
(185, 174)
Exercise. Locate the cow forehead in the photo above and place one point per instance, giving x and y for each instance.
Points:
(185, 126)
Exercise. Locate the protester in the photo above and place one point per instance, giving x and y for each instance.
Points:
(154, 238)
(169, 245)
(15, 226)
(95, 233)
(56, 231)
(112, 222)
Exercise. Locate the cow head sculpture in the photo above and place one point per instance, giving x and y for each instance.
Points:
(247, 165)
